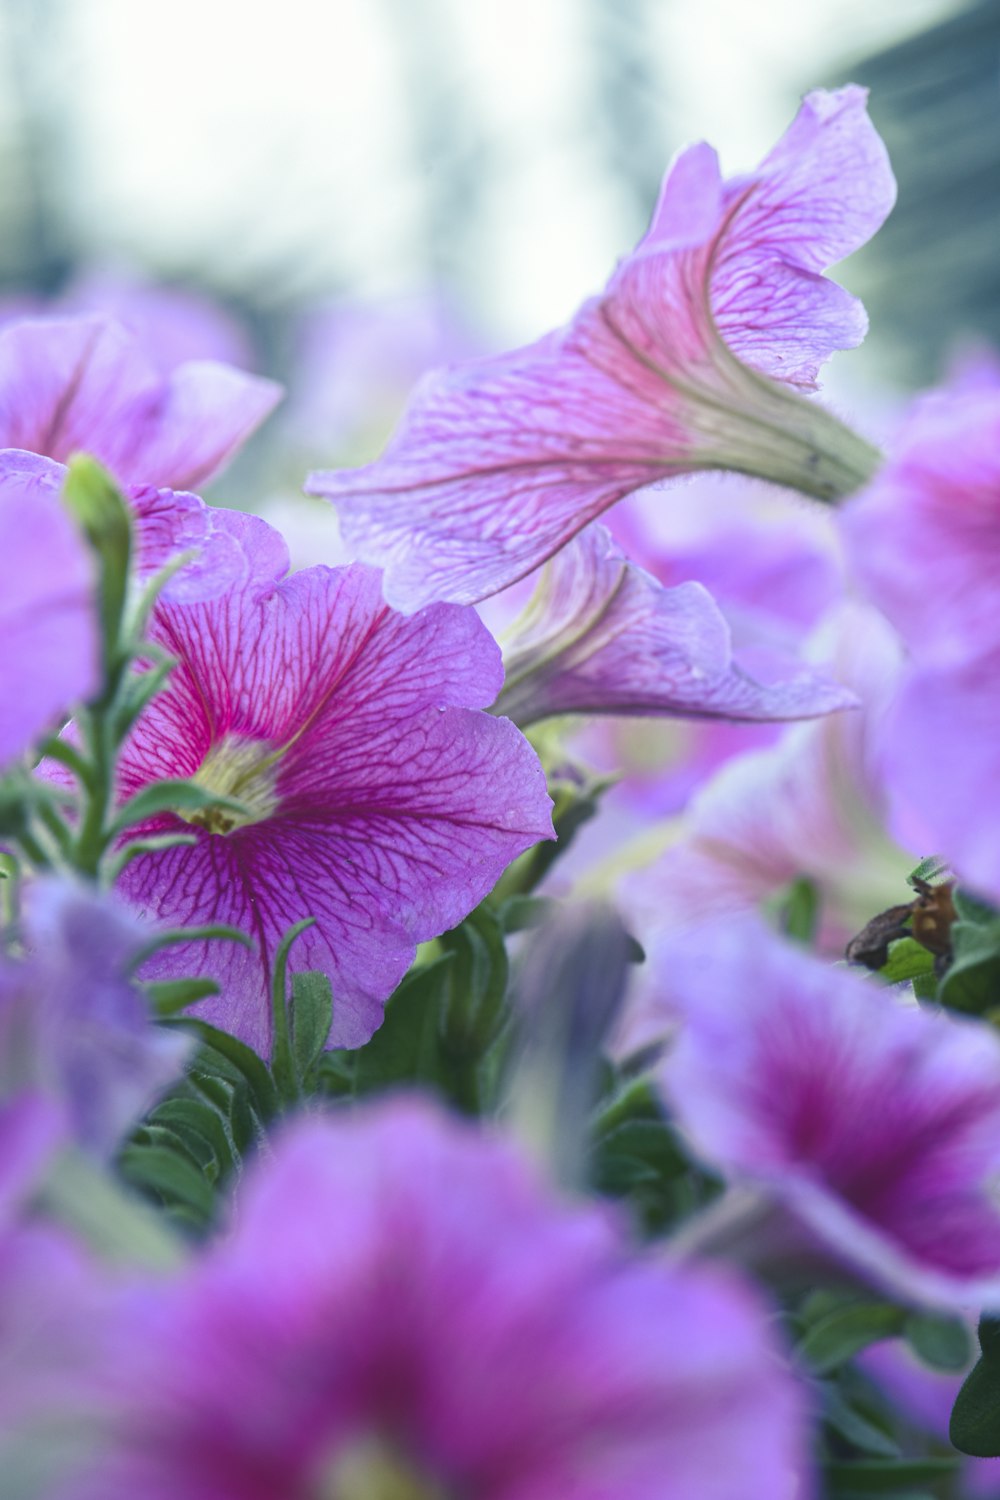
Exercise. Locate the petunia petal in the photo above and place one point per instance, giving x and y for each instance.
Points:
(71, 385)
(601, 635)
(48, 619)
(497, 463)
(875, 1122)
(393, 808)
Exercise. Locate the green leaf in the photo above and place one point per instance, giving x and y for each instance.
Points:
(941, 1342)
(241, 1059)
(855, 1427)
(836, 1338)
(908, 959)
(800, 911)
(311, 1019)
(637, 1151)
(972, 908)
(975, 1417)
(100, 509)
(473, 996)
(168, 996)
(518, 913)
(335, 1074)
(925, 987)
(637, 1101)
(988, 1333)
(972, 982)
(283, 1069)
(880, 1476)
(173, 796)
(407, 1046)
(139, 688)
(170, 1175)
(190, 1118)
(575, 802)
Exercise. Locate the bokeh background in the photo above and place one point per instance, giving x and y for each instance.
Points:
(368, 186)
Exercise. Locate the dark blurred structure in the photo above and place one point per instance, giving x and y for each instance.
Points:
(932, 274)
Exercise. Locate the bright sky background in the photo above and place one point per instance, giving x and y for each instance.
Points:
(272, 144)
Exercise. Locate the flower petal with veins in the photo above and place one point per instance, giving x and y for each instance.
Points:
(602, 636)
(379, 799)
(692, 359)
(71, 385)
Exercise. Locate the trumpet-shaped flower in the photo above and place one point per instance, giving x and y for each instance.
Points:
(925, 540)
(602, 636)
(375, 796)
(924, 537)
(47, 607)
(223, 544)
(940, 761)
(70, 385)
(403, 1309)
(874, 1124)
(694, 357)
(812, 806)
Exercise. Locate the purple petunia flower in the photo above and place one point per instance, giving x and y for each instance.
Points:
(48, 608)
(693, 358)
(403, 1309)
(940, 758)
(602, 636)
(873, 1124)
(376, 797)
(813, 805)
(166, 523)
(925, 540)
(71, 385)
(924, 537)
(74, 1030)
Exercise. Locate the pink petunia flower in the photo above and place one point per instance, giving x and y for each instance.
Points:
(602, 636)
(695, 357)
(940, 762)
(223, 544)
(48, 608)
(813, 805)
(924, 537)
(874, 1125)
(925, 541)
(402, 1308)
(84, 384)
(376, 797)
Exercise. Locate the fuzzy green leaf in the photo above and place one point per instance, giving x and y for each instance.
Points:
(836, 1338)
(311, 1019)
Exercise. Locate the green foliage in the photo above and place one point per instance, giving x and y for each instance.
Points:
(908, 960)
(576, 797)
(837, 1335)
(799, 914)
(882, 1476)
(972, 981)
(637, 1157)
(940, 1341)
(975, 1418)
